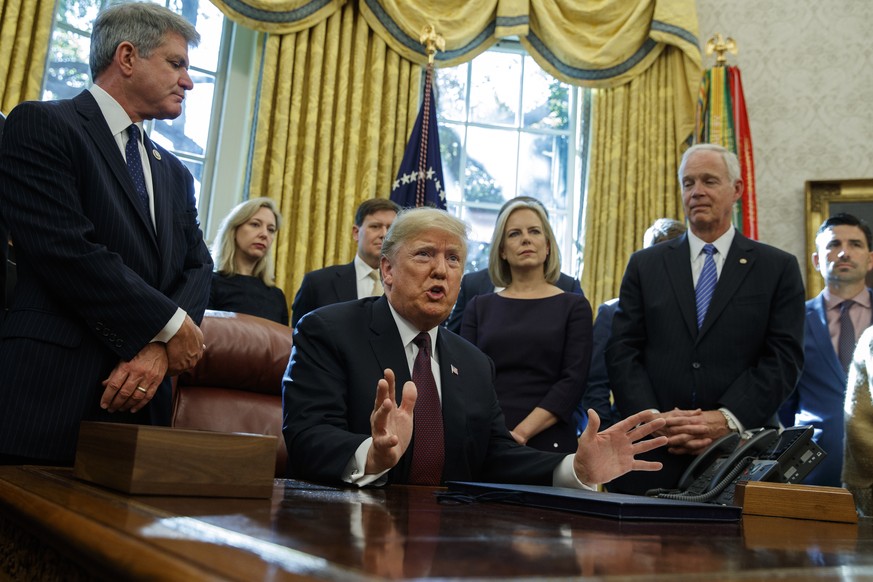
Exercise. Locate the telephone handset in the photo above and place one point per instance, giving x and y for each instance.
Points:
(765, 455)
(724, 455)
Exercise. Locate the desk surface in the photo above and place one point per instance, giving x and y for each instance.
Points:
(322, 533)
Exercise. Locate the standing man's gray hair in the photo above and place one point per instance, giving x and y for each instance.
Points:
(143, 24)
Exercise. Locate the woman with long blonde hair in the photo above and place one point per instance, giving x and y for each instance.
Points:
(538, 336)
(243, 281)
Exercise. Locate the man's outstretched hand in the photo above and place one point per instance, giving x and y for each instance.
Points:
(390, 424)
(603, 456)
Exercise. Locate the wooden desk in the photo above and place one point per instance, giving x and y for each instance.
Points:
(323, 533)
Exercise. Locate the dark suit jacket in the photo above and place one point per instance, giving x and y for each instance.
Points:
(96, 281)
(597, 390)
(479, 283)
(324, 287)
(820, 395)
(340, 353)
(746, 357)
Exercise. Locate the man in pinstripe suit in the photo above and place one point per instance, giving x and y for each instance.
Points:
(113, 272)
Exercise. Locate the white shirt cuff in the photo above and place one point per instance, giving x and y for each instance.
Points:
(172, 326)
(565, 476)
(354, 472)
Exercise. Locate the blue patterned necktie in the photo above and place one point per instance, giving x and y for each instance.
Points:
(706, 283)
(846, 340)
(428, 449)
(134, 166)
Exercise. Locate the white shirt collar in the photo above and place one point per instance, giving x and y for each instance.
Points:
(116, 117)
(722, 243)
(362, 269)
(408, 332)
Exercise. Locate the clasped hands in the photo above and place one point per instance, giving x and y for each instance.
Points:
(600, 457)
(131, 385)
(691, 431)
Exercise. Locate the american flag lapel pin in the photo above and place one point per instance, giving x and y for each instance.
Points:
(454, 370)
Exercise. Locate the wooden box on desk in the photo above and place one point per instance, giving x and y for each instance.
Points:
(153, 460)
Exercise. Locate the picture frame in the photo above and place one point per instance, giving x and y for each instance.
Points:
(825, 198)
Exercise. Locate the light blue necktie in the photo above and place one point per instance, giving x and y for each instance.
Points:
(706, 283)
(134, 166)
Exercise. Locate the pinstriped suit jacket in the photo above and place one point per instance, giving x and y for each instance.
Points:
(95, 280)
(746, 357)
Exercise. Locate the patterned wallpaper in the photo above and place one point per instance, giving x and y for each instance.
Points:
(807, 70)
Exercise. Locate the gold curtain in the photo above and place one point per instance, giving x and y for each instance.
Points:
(635, 152)
(333, 118)
(25, 27)
(340, 92)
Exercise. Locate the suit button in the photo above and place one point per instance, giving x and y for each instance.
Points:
(695, 365)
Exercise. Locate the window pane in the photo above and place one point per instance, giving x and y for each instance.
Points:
(542, 169)
(67, 71)
(489, 174)
(451, 93)
(481, 221)
(209, 22)
(451, 151)
(546, 99)
(80, 14)
(495, 87)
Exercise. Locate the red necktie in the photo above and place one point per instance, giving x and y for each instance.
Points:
(428, 451)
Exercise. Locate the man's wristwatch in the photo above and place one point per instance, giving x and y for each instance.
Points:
(732, 426)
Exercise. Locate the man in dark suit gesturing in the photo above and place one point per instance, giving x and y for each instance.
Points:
(354, 280)
(709, 328)
(113, 272)
(366, 400)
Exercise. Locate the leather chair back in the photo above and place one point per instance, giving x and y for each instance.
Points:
(237, 386)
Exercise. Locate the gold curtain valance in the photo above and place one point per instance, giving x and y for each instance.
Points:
(605, 44)
(278, 16)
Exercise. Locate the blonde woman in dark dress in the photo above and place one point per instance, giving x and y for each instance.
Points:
(243, 278)
(538, 336)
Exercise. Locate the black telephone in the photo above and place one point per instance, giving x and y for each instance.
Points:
(764, 455)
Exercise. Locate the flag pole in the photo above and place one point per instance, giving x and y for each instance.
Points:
(432, 41)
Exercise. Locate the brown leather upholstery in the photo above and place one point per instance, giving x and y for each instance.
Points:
(237, 386)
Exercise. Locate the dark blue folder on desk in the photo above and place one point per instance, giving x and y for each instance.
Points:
(600, 504)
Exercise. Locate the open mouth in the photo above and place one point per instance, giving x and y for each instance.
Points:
(436, 292)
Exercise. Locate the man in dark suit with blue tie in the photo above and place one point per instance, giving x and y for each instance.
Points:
(835, 319)
(709, 328)
(479, 282)
(113, 272)
(377, 391)
(354, 280)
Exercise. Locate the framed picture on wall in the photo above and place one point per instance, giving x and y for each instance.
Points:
(825, 198)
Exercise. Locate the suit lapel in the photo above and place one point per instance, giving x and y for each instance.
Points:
(96, 128)
(817, 327)
(162, 189)
(345, 285)
(738, 263)
(677, 262)
(387, 345)
(452, 398)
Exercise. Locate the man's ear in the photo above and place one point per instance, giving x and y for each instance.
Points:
(387, 275)
(356, 232)
(815, 261)
(125, 55)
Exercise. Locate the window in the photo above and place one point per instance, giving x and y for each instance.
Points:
(507, 128)
(189, 135)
